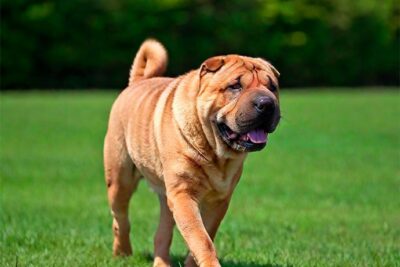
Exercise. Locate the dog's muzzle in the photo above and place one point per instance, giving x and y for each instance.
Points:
(253, 124)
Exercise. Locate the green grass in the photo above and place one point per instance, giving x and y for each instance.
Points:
(325, 191)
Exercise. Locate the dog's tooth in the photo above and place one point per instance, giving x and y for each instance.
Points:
(243, 137)
(232, 135)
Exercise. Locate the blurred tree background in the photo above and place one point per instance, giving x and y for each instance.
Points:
(91, 43)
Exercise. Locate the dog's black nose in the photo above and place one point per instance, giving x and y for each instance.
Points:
(264, 104)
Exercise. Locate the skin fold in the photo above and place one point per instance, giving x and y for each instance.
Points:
(166, 131)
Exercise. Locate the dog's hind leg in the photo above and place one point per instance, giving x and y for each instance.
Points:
(163, 237)
(122, 179)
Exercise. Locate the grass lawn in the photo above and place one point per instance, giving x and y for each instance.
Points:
(325, 191)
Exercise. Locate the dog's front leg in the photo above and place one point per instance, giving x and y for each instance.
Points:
(212, 214)
(186, 212)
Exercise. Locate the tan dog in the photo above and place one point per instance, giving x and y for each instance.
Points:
(188, 136)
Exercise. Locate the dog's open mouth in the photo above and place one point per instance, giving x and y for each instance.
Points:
(253, 140)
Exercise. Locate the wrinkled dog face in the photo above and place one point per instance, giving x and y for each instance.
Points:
(241, 97)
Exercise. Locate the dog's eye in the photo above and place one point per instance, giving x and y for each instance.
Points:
(235, 87)
(272, 86)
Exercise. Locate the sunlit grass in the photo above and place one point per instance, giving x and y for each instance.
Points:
(325, 191)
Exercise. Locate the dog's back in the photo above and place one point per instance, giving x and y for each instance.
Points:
(131, 129)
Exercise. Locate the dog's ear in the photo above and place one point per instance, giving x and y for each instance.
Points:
(275, 71)
(212, 64)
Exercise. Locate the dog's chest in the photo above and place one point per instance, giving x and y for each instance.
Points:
(223, 177)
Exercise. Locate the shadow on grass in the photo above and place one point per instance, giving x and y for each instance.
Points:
(178, 261)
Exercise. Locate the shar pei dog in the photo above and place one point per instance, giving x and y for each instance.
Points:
(188, 137)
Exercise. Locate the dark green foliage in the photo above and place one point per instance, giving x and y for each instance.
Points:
(91, 43)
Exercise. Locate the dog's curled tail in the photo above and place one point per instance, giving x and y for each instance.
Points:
(150, 61)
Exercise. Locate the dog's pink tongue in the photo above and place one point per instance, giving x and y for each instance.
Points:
(257, 136)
